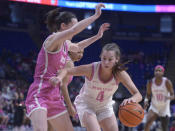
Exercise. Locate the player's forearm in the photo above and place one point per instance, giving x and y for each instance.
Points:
(66, 95)
(172, 97)
(80, 26)
(137, 97)
(85, 43)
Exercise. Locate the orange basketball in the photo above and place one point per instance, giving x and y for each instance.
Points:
(131, 114)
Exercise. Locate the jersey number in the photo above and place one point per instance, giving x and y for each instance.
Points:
(159, 97)
(100, 96)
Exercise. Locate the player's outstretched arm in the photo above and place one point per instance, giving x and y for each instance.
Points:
(83, 70)
(60, 37)
(85, 43)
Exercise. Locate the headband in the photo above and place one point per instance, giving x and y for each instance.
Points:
(161, 67)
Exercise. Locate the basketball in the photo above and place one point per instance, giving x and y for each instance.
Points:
(131, 114)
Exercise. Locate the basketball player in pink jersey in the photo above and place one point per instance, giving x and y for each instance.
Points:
(73, 57)
(44, 101)
(94, 102)
(160, 91)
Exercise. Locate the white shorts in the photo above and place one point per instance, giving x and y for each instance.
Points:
(161, 111)
(100, 113)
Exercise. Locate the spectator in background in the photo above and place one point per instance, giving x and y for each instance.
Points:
(3, 117)
(18, 110)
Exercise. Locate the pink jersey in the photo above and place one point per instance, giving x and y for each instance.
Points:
(41, 94)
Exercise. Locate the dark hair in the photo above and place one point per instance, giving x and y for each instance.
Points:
(55, 18)
(118, 66)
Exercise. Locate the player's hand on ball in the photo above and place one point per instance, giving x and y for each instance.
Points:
(126, 101)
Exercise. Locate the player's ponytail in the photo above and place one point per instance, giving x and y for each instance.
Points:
(51, 19)
(118, 67)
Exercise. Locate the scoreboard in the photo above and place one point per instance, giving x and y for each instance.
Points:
(44, 2)
(113, 5)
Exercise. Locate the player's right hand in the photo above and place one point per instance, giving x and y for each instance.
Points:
(98, 9)
(129, 100)
(146, 104)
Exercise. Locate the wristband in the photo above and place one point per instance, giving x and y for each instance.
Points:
(146, 100)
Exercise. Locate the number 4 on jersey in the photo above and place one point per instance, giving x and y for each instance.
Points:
(100, 96)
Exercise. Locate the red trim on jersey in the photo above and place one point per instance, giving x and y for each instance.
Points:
(159, 83)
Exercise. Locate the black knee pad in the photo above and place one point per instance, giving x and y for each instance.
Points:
(165, 122)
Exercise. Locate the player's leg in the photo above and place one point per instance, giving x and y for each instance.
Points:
(87, 116)
(151, 116)
(62, 123)
(90, 122)
(109, 124)
(39, 120)
(50, 128)
(165, 123)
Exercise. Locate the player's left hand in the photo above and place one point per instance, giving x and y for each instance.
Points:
(55, 80)
(72, 111)
(102, 29)
(129, 100)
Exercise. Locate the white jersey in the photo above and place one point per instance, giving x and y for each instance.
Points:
(158, 101)
(95, 92)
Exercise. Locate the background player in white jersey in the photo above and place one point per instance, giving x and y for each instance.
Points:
(160, 91)
(94, 102)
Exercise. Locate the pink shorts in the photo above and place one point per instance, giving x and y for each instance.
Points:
(47, 98)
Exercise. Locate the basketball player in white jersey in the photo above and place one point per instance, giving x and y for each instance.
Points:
(160, 91)
(94, 102)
